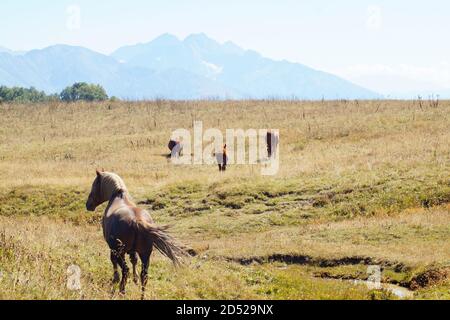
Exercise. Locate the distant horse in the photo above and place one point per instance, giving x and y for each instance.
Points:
(272, 140)
(176, 149)
(129, 230)
(222, 159)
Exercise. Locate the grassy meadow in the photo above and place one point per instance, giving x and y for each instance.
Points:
(361, 183)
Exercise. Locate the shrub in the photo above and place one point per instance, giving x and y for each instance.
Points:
(23, 95)
(82, 91)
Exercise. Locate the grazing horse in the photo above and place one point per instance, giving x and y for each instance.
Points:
(129, 230)
(176, 149)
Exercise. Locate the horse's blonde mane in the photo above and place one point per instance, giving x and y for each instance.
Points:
(112, 183)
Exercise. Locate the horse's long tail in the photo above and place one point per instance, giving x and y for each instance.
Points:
(163, 242)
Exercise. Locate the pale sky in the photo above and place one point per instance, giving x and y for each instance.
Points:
(395, 45)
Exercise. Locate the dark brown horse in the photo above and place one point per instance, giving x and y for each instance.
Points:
(129, 230)
(176, 149)
(272, 140)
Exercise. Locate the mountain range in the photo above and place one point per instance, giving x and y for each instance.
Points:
(194, 68)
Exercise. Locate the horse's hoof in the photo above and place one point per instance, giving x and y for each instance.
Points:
(116, 279)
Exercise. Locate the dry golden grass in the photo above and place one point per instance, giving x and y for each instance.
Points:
(62, 144)
(357, 179)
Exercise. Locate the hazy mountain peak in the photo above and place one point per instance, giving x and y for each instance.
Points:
(198, 37)
(200, 42)
(66, 52)
(63, 47)
(166, 39)
(12, 52)
(3, 49)
(233, 48)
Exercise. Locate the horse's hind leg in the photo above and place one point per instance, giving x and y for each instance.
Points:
(125, 270)
(134, 261)
(145, 258)
(115, 262)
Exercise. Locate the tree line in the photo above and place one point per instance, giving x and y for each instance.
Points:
(80, 91)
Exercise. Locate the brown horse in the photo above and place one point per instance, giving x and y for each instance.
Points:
(272, 140)
(222, 159)
(176, 149)
(129, 230)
